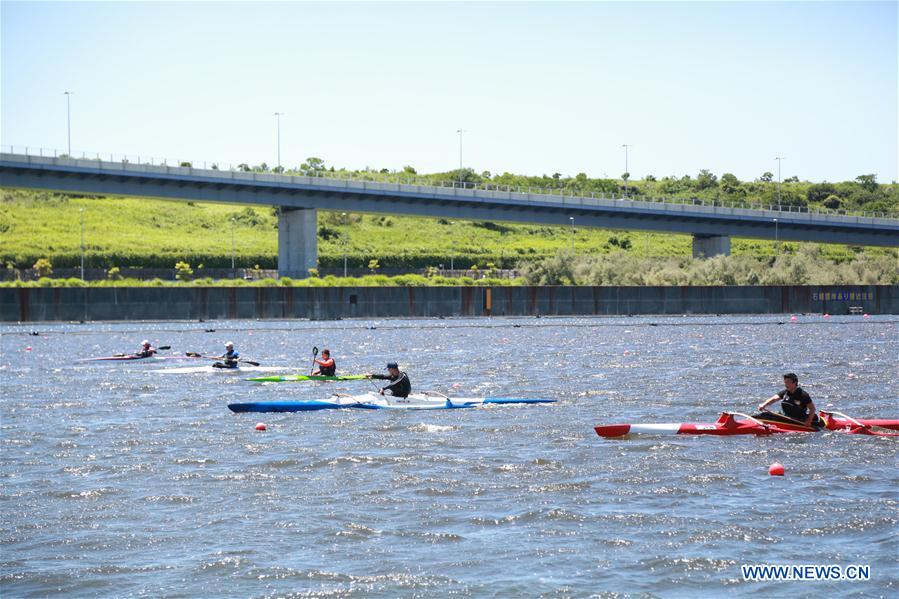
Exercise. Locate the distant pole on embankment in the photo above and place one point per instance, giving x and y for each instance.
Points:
(278, 115)
(68, 95)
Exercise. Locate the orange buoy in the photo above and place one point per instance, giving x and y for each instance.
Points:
(776, 469)
(260, 426)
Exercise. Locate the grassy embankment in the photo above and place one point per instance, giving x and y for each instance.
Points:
(150, 233)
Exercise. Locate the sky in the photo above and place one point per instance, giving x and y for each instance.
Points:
(537, 88)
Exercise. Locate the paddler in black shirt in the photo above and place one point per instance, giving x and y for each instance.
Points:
(795, 403)
(326, 366)
(400, 385)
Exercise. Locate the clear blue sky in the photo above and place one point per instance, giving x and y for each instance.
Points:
(540, 87)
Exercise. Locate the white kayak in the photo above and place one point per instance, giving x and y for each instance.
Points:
(374, 401)
(210, 368)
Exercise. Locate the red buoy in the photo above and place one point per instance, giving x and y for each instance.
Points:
(260, 426)
(793, 319)
(776, 469)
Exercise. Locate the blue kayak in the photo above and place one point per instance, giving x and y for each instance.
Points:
(372, 401)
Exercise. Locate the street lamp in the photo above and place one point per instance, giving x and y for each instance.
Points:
(776, 240)
(278, 115)
(81, 211)
(627, 174)
(452, 245)
(460, 132)
(778, 159)
(571, 243)
(68, 96)
(233, 272)
(345, 239)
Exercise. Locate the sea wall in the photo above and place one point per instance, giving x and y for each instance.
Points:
(323, 303)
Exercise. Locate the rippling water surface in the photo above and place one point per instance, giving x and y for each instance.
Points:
(116, 480)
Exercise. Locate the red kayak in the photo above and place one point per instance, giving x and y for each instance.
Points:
(761, 424)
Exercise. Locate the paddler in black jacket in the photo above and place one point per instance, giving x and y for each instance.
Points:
(399, 386)
(795, 403)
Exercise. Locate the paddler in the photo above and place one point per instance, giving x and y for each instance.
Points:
(229, 359)
(146, 350)
(326, 366)
(795, 403)
(399, 386)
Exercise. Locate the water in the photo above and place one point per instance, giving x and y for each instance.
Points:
(119, 482)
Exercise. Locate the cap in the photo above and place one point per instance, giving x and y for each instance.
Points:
(393, 365)
(229, 344)
(145, 342)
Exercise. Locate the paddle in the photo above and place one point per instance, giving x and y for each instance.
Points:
(193, 354)
(314, 355)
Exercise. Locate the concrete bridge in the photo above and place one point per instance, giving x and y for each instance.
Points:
(299, 198)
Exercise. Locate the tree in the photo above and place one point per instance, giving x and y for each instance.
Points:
(729, 183)
(820, 192)
(767, 177)
(625, 176)
(706, 180)
(409, 170)
(868, 182)
(793, 179)
(243, 167)
(314, 164)
(650, 178)
(833, 202)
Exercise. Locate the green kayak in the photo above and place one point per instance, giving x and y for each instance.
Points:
(293, 378)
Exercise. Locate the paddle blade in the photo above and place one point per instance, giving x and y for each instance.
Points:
(161, 347)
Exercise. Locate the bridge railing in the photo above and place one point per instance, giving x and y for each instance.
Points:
(426, 183)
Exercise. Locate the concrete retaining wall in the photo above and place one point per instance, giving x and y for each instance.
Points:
(207, 303)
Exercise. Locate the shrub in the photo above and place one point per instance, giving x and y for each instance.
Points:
(43, 267)
(183, 271)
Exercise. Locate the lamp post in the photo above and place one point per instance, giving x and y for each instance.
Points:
(778, 159)
(81, 211)
(345, 239)
(460, 132)
(571, 242)
(452, 245)
(776, 239)
(627, 174)
(68, 96)
(233, 272)
(278, 116)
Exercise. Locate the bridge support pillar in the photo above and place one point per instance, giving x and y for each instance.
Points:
(297, 241)
(707, 246)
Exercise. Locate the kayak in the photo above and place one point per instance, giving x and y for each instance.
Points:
(290, 378)
(210, 368)
(761, 424)
(133, 358)
(372, 401)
